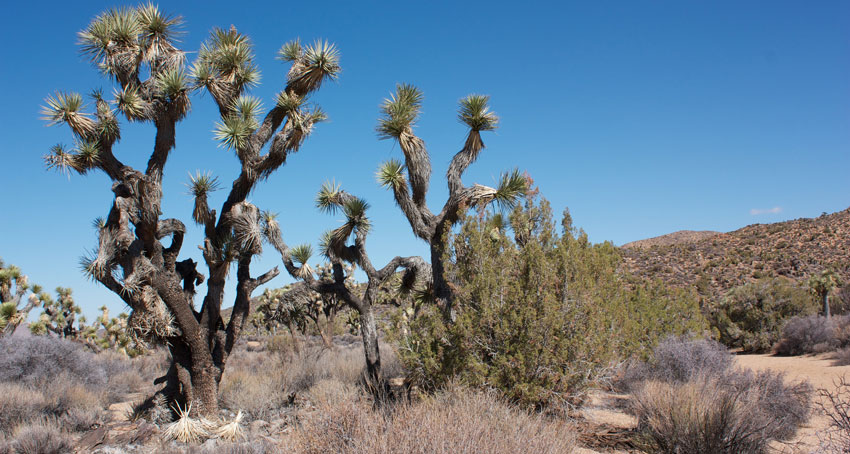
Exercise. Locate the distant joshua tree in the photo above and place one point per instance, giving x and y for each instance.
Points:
(823, 283)
(13, 287)
(399, 115)
(136, 49)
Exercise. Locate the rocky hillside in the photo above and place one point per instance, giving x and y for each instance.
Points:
(716, 262)
(682, 236)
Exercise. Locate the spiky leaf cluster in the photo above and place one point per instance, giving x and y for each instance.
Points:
(311, 65)
(391, 174)
(225, 65)
(475, 113)
(400, 111)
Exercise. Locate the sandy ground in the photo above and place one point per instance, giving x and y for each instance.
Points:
(819, 371)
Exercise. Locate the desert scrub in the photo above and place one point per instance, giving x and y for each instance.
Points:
(814, 334)
(677, 359)
(540, 315)
(38, 438)
(263, 384)
(45, 378)
(689, 398)
(751, 316)
(457, 421)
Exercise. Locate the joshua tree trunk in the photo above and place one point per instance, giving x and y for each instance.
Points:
(131, 261)
(369, 333)
(400, 113)
(826, 305)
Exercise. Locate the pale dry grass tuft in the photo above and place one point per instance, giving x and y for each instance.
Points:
(232, 430)
(186, 429)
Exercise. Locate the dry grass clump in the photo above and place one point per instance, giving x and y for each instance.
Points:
(39, 438)
(66, 403)
(231, 431)
(455, 421)
(263, 384)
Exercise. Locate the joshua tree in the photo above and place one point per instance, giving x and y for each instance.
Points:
(399, 115)
(136, 49)
(295, 307)
(13, 287)
(338, 252)
(823, 283)
(58, 316)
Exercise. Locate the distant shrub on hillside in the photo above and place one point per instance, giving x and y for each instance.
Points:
(751, 316)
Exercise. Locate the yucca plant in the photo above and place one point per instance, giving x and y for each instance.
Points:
(137, 49)
(409, 182)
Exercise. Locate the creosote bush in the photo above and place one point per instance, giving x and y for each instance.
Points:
(751, 316)
(540, 316)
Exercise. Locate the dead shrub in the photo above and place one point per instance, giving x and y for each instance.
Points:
(835, 404)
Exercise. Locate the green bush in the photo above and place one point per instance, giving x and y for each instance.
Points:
(540, 315)
(751, 316)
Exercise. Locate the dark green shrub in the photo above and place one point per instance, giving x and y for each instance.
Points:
(751, 316)
(540, 315)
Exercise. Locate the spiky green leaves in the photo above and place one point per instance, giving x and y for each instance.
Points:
(289, 102)
(85, 156)
(311, 65)
(131, 103)
(301, 254)
(173, 83)
(399, 112)
(202, 183)
(248, 108)
(512, 187)
(235, 129)
(356, 221)
(225, 65)
(328, 199)
(121, 39)
(475, 113)
(291, 51)
(233, 132)
(155, 24)
(67, 108)
(391, 174)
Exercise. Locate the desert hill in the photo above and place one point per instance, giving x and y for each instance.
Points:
(716, 262)
(682, 236)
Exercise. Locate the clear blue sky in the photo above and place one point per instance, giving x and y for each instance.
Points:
(642, 117)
